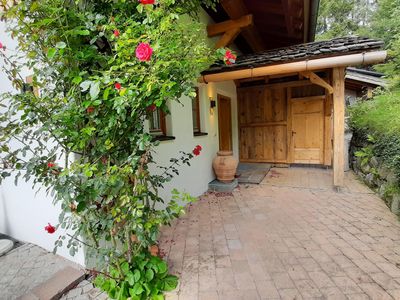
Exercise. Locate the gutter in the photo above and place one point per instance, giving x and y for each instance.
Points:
(364, 58)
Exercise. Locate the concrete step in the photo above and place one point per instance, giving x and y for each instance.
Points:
(60, 283)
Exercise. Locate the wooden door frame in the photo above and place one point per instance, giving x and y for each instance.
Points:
(219, 96)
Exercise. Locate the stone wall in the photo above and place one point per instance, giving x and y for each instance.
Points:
(375, 174)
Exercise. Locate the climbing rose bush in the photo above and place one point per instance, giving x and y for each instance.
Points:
(227, 55)
(99, 70)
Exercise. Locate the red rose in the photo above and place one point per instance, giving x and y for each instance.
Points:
(144, 52)
(196, 151)
(152, 108)
(50, 228)
(51, 164)
(144, 2)
(2, 46)
(116, 33)
(90, 109)
(118, 86)
(229, 57)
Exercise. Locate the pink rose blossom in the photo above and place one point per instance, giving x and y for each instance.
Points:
(144, 52)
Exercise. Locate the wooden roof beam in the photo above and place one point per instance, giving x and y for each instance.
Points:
(228, 38)
(236, 9)
(223, 27)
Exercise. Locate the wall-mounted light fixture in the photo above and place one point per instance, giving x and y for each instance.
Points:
(213, 104)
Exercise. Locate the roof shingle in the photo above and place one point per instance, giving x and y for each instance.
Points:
(314, 50)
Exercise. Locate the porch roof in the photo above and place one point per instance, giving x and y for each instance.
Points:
(303, 52)
(358, 78)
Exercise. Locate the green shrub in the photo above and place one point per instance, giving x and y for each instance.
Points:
(376, 124)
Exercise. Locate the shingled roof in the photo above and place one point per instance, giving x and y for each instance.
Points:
(320, 49)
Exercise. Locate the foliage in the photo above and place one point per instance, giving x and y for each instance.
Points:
(146, 277)
(365, 153)
(378, 19)
(338, 18)
(379, 115)
(379, 118)
(386, 26)
(82, 136)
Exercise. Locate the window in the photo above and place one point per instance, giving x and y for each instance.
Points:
(196, 112)
(157, 123)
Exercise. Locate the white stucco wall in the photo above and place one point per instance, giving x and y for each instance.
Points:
(195, 179)
(24, 214)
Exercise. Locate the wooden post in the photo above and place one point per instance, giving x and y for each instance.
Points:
(338, 126)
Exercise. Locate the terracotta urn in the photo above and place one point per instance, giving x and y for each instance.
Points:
(224, 165)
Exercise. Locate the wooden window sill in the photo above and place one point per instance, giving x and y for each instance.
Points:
(200, 133)
(162, 138)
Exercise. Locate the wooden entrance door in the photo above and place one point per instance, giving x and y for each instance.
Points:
(307, 141)
(224, 123)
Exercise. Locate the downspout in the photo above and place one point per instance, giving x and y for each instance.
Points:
(364, 58)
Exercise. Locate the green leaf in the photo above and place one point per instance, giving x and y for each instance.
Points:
(137, 289)
(162, 267)
(85, 85)
(122, 294)
(99, 281)
(81, 206)
(94, 89)
(149, 274)
(61, 45)
(51, 52)
(157, 297)
(170, 283)
(136, 275)
(82, 32)
(130, 278)
(77, 80)
(142, 264)
(125, 267)
(133, 296)
(106, 93)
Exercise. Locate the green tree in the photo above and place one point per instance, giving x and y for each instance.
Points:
(338, 18)
(386, 26)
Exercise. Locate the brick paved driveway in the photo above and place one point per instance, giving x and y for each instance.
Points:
(292, 237)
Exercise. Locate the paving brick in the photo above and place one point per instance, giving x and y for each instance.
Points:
(282, 280)
(347, 285)
(375, 291)
(282, 239)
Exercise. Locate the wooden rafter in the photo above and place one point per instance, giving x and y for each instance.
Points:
(219, 28)
(288, 16)
(228, 38)
(236, 9)
(314, 78)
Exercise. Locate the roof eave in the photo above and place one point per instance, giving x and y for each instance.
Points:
(356, 59)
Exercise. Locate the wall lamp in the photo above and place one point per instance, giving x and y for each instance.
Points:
(213, 104)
